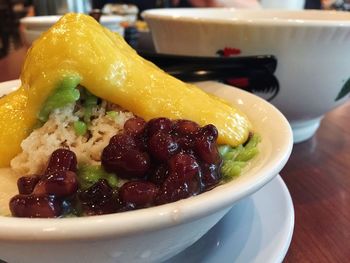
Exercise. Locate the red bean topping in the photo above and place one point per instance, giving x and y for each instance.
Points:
(166, 161)
(59, 184)
(183, 180)
(62, 160)
(159, 174)
(210, 176)
(209, 131)
(205, 145)
(162, 146)
(185, 127)
(123, 141)
(135, 126)
(99, 199)
(138, 194)
(159, 124)
(35, 206)
(26, 184)
(126, 164)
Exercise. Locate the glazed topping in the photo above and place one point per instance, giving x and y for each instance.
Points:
(78, 48)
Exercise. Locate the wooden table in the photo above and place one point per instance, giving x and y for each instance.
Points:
(318, 178)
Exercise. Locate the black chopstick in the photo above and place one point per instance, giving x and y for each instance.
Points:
(170, 62)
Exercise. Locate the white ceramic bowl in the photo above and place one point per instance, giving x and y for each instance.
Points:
(312, 49)
(284, 4)
(32, 27)
(151, 234)
(29, 36)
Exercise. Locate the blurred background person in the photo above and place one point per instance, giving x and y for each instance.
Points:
(313, 4)
(336, 4)
(11, 11)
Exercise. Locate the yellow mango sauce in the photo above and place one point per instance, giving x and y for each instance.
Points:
(110, 69)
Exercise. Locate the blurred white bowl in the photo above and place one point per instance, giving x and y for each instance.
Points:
(28, 36)
(128, 11)
(283, 4)
(312, 48)
(33, 26)
(157, 233)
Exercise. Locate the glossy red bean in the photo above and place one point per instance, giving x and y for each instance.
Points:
(209, 131)
(210, 176)
(184, 164)
(183, 180)
(207, 151)
(26, 184)
(159, 124)
(130, 163)
(186, 143)
(123, 141)
(206, 146)
(142, 142)
(162, 146)
(35, 206)
(99, 199)
(176, 188)
(138, 194)
(62, 160)
(135, 126)
(159, 174)
(60, 184)
(185, 127)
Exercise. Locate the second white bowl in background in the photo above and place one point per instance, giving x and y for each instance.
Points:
(312, 49)
(32, 27)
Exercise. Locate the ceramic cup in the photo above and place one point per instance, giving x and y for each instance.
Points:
(312, 49)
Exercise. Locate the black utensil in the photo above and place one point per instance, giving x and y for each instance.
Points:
(165, 61)
(258, 82)
(253, 73)
(252, 80)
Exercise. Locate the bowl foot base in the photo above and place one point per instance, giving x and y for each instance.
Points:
(303, 131)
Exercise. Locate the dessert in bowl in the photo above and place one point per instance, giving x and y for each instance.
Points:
(116, 74)
(310, 46)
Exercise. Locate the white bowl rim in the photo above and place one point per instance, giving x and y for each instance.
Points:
(154, 218)
(50, 20)
(189, 15)
(39, 20)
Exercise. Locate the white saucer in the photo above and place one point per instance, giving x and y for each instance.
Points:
(258, 229)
